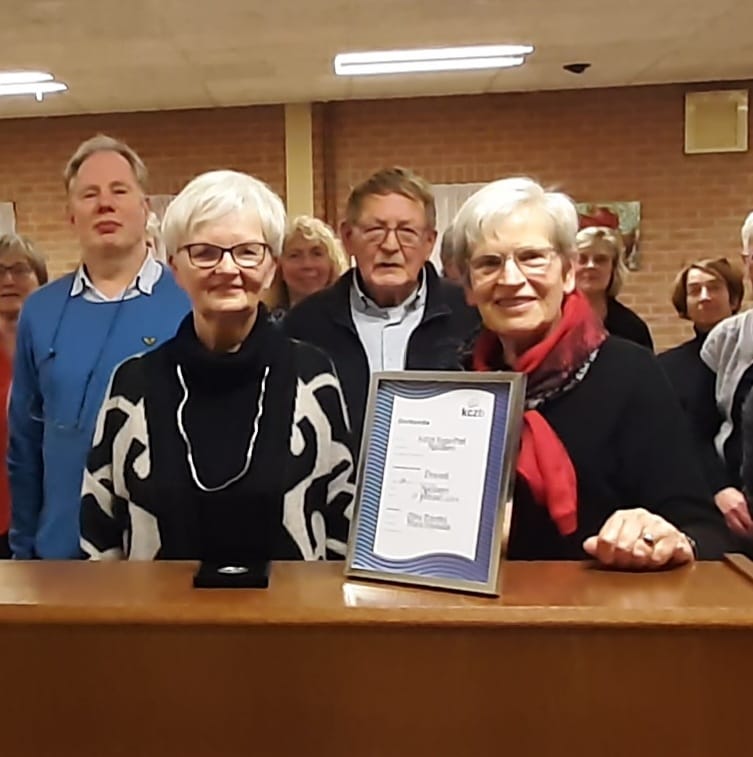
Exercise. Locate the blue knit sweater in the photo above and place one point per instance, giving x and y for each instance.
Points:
(66, 350)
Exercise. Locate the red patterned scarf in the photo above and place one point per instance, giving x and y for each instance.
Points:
(553, 366)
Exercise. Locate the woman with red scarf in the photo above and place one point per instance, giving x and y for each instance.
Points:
(605, 467)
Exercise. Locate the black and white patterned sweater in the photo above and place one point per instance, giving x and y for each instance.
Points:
(169, 477)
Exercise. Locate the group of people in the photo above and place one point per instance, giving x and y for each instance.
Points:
(212, 407)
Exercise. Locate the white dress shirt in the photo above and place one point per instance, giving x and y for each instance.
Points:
(143, 283)
(384, 332)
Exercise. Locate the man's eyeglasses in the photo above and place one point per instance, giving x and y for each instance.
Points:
(246, 255)
(531, 261)
(16, 270)
(407, 237)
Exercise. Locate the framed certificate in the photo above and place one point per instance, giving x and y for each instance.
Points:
(435, 479)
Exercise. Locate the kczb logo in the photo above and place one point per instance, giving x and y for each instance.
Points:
(471, 412)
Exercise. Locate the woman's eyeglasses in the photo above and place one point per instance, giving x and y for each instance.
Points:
(530, 261)
(16, 270)
(246, 255)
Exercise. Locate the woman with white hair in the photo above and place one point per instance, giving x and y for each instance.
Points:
(605, 468)
(600, 273)
(230, 442)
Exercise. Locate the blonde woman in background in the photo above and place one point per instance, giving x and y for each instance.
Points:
(600, 273)
(312, 259)
(22, 270)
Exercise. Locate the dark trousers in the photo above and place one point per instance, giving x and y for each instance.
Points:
(4, 547)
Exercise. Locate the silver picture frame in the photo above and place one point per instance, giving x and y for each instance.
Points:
(481, 575)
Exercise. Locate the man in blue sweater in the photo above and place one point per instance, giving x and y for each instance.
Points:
(72, 333)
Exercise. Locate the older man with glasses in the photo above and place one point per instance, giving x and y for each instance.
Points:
(392, 312)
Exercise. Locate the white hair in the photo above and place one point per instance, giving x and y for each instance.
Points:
(212, 196)
(746, 233)
(483, 211)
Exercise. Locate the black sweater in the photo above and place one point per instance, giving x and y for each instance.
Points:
(623, 322)
(325, 320)
(624, 431)
(181, 405)
(693, 382)
(747, 452)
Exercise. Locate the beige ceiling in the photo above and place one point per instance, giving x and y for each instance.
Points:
(121, 55)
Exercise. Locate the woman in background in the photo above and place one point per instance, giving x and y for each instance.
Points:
(450, 270)
(312, 259)
(600, 273)
(705, 292)
(22, 270)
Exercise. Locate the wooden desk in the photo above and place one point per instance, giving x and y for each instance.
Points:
(127, 659)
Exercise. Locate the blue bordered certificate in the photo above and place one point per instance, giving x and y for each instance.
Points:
(435, 478)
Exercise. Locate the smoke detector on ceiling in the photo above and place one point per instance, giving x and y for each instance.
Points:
(577, 68)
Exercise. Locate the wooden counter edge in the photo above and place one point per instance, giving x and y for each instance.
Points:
(741, 564)
(496, 617)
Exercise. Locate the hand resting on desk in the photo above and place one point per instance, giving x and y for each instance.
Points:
(638, 539)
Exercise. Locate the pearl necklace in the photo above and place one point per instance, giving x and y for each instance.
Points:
(187, 441)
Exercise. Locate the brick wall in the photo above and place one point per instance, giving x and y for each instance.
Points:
(595, 144)
(618, 144)
(175, 146)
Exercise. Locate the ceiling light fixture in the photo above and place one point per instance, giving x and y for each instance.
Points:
(431, 59)
(37, 83)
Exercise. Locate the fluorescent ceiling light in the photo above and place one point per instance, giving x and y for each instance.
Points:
(432, 59)
(24, 77)
(459, 64)
(37, 83)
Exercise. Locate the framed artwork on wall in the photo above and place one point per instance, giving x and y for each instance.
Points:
(7, 217)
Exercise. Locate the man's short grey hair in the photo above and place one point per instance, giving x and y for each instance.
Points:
(746, 233)
(103, 143)
(485, 210)
(211, 197)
